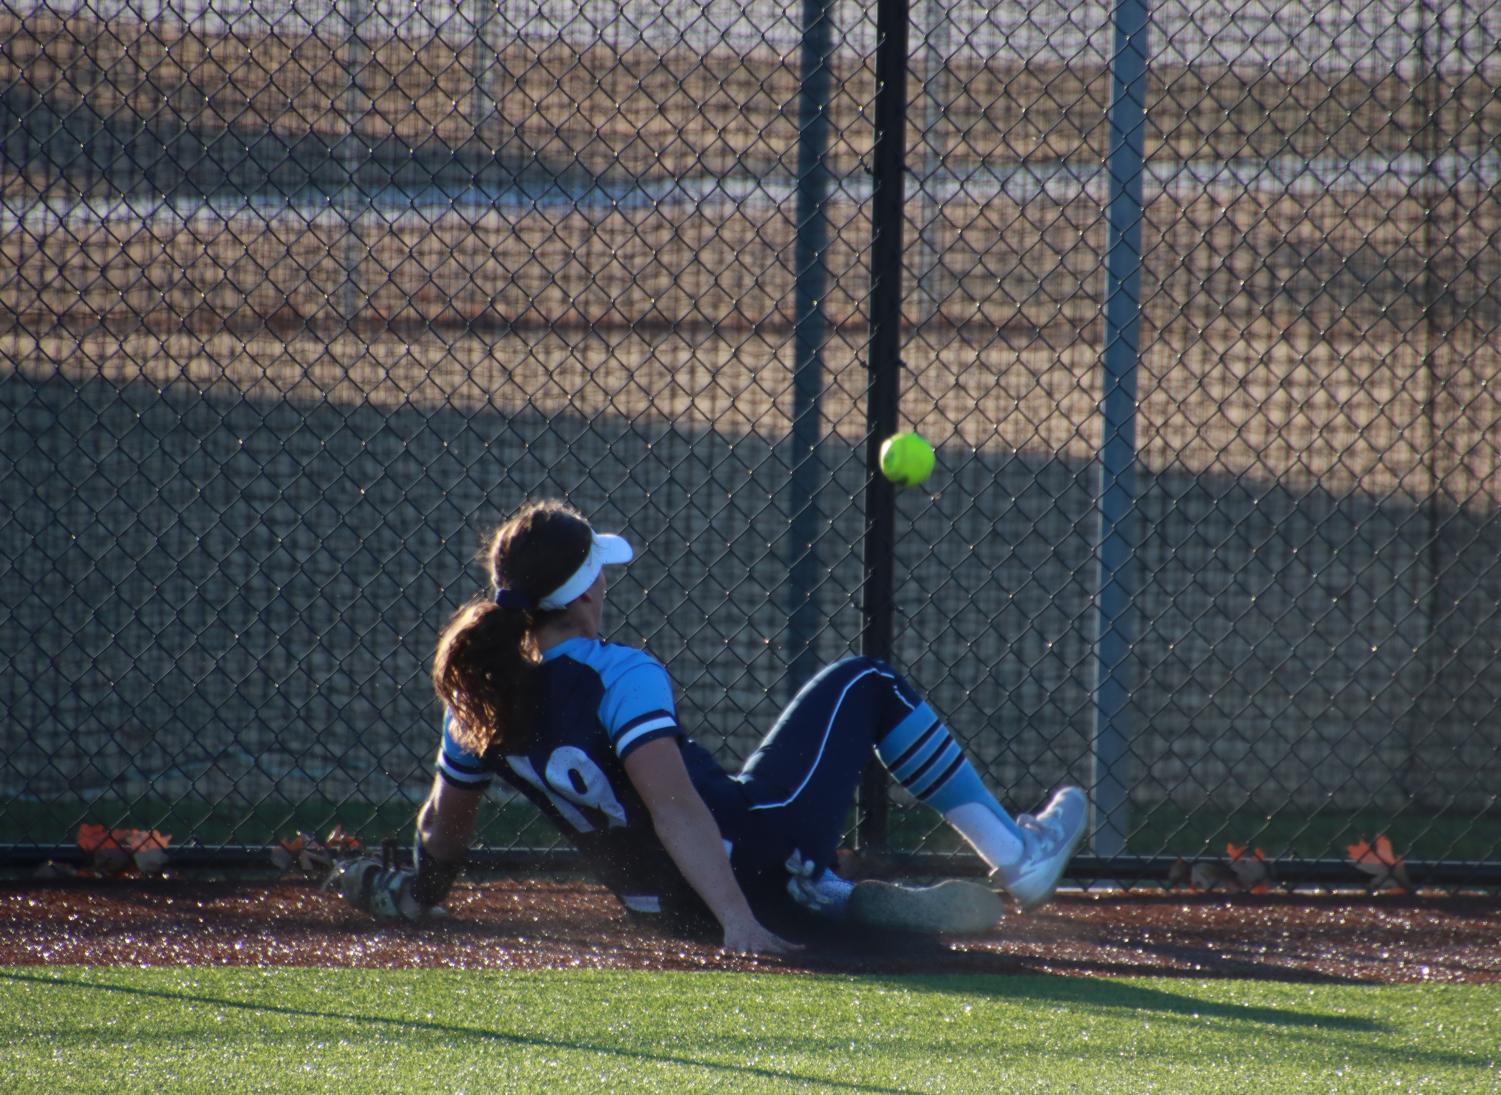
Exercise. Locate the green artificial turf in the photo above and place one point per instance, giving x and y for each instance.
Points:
(211, 1029)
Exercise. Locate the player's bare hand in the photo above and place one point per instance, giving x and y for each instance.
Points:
(751, 938)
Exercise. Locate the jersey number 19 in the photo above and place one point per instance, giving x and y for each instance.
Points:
(570, 780)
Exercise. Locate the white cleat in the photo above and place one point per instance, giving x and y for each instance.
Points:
(952, 907)
(1051, 835)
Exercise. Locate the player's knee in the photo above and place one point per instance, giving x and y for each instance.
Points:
(856, 664)
(885, 679)
(858, 670)
(864, 671)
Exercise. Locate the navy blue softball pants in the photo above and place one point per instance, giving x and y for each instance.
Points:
(801, 781)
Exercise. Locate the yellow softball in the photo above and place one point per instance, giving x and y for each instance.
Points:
(906, 459)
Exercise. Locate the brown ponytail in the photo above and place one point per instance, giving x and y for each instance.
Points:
(486, 654)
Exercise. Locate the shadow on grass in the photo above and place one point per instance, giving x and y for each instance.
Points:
(1108, 994)
(1358, 1037)
(870, 954)
(445, 1030)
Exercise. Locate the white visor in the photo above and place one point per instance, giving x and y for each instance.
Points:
(607, 548)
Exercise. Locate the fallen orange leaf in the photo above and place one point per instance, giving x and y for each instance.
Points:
(115, 849)
(1379, 852)
(1378, 859)
(94, 838)
(1253, 870)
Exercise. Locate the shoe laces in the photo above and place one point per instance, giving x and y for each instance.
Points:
(1043, 835)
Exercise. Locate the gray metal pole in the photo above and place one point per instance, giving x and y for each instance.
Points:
(809, 334)
(352, 156)
(937, 92)
(1115, 489)
(481, 97)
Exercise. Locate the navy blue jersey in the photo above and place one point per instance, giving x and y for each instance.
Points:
(596, 703)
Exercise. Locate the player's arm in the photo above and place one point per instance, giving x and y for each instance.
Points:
(691, 836)
(445, 826)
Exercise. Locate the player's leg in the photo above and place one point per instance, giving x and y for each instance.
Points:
(801, 782)
(803, 776)
(1027, 854)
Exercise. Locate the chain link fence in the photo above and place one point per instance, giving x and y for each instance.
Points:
(299, 301)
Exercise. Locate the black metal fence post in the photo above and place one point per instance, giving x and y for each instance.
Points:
(887, 167)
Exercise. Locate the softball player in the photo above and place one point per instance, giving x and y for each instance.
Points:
(588, 731)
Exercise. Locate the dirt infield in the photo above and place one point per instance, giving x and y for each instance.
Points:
(539, 924)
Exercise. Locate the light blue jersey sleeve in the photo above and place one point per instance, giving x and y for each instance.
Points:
(637, 705)
(458, 765)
